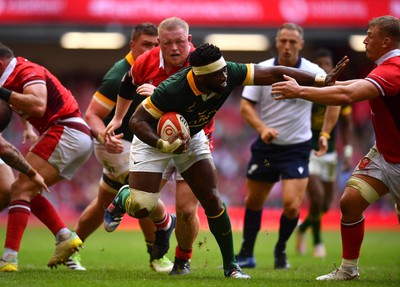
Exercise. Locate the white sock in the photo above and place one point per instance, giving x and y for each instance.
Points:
(9, 254)
(63, 234)
(350, 265)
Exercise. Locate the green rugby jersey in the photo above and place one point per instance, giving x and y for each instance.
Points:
(179, 93)
(107, 94)
(317, 120)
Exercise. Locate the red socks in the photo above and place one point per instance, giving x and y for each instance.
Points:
(352, 238)
(183, 254)
(18, 217)
(46, 213)
(164, 223)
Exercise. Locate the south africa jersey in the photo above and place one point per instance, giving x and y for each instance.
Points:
(106, 95)
(179, 93)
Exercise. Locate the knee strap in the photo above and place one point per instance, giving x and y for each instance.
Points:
(365, 189)
(141, 204)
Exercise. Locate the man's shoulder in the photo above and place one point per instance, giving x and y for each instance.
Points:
(392, 61)
(23, 63)
(26, 70)
(119, 69)
(309, 66)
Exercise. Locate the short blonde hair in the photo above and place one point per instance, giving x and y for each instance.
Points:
(173, 23)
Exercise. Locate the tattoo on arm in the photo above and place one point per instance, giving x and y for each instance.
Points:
(12, 156)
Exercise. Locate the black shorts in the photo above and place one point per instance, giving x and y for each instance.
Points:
(270, 162)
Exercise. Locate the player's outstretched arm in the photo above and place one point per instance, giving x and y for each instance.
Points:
(270, 75)
(338, 95)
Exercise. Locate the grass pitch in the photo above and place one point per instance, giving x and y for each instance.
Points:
(120, 259)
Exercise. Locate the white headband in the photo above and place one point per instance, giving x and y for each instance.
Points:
(210, 68)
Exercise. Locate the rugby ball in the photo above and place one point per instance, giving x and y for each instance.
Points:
(171, 123)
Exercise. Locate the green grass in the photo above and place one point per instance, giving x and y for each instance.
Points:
(119, 259)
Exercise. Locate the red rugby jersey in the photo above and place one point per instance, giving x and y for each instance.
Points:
(385, 109)
(61, 103)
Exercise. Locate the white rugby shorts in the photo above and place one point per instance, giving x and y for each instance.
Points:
(325, 167)
(145, 158)
(115, 166)
(374, 165)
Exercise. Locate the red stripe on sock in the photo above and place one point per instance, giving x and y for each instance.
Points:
(162, 224)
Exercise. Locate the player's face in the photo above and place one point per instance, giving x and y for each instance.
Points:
(215, 82)
(174, 45)
(325, 63)
(289, 44)
(373, 43)
(142, 44)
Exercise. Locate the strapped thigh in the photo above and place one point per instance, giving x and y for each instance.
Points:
(364, 188)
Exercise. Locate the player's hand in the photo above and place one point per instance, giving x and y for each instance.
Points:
(113, 125)
(322, 146)
(175, 144)
(39, 181)
(268, 134)
(29, 135)
(145, 90)
(288, 89)
(113, 143)
(334, 74)
(185, 142)
(184, 145)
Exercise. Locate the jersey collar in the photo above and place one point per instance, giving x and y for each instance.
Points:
(388, 55)
(7, 72)
(129, 59)
(192, 84)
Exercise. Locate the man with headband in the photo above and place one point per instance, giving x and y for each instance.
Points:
(197, 92)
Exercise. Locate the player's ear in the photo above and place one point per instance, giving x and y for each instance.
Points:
(302, 44)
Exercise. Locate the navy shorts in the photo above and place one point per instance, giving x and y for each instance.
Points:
(270, 162)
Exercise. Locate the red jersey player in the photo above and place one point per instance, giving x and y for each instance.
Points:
(65, 143)
(378, 173)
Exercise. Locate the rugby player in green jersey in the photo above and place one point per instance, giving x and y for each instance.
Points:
(197, 92)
